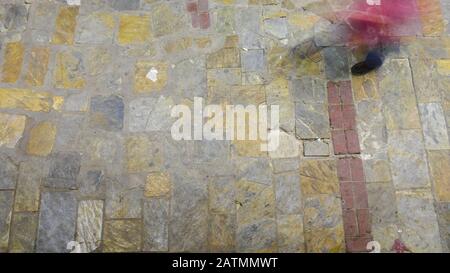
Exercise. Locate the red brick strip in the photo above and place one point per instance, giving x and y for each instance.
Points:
(199, 10)
(355, 206)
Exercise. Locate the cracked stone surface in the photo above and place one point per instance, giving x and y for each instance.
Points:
(87, 153)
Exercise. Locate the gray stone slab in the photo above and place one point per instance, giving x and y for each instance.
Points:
(64, 169)
(434, 126)
(309, 90)
(287, 193)
(276, 27)
(121, 5)
(156, 221)
(260, 236)
(281, 165)
(6, 204)
(23, 233)
(254, 169)
(124, 197)
(253, 60)
(8, 173)
(408, 159)
(107, 113)
(222, 194)
(336, 63)
(57, 221)
(151, 114)
(89, 225)
(311, 121)
(316, 148)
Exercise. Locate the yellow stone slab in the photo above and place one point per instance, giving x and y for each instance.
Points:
(431, 17)
(68, 74)
(319, 177)
(38, 66)
(440, 168)
(25, 99)
(11, 129)
(178, 45)
(65, 26)
(365, 87)
(12, 64)
(134, 29)
(42, 138)
(142, 84)
(443, 67)
(158, 184)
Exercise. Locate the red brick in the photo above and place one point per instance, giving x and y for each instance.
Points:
(195, 20)
(333, 94)
(202, 5)
(364, 224)
(356, 169)
(347, 195)
(336, 116)
(360, 195)
(339, 142)
(345, 92)
(357, 244)
(350, 222)
(349, 117)
(192, 7)
(343, 170)
(352, 142)
(204, 20)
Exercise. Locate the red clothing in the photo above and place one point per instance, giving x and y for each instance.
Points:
(374, 24)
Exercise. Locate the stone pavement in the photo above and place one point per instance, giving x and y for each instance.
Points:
(86, 153)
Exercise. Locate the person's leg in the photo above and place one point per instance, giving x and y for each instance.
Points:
(374, 60)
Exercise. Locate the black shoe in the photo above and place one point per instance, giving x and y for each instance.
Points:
(362, 68)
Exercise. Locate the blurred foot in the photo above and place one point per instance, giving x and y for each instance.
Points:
(372, 62)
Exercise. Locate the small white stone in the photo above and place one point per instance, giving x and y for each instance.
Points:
(152, 74)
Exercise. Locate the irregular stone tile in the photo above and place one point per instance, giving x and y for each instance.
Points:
(397, 91)
(65, 26)
(418, 221)
(89, 225)
(249, 22)
(37, 66)
(288, 146)
(12, 63)
(23, 233)
(319, 177)
(425, 79)
(254, 169)
(156, 220)
(213, 157)
(157, 184)
(77, 102)
(151, 114)
(14, 17)
(287, 193)
(69, 130)
(276, 27)
(11, 129)
(372, 130)
(122, 236)
(290, 234)
(434, 126)
(222, 195)
(443, 211)
(28, 190)
(253, 60)
(164, 20)
(309, 90)
(431, 17)
(443, 67)
(377, 170)
(383, 210)
(25, 99)
(96, 28)
(188, 227)
(143, 155)
(124, 197)
(101, 148)
(93, 183)
(311, 121)
(64, 169)
(193, 75)
(224, 58)
(133, 29)
(224, 20)
(336, 63)
(222, 232)
(328, 34)
(107, 113)
(57, 221)
(365, 87)
(68, 73)
(259, 236)
(323, 230)
(281, 165)
(124, 5)
(316, 148)
(178, 45)
(439, 167)
(150, 76)
(42, 138)
(6, 204)
(408, 159)
(254, 202)
(8, 172)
